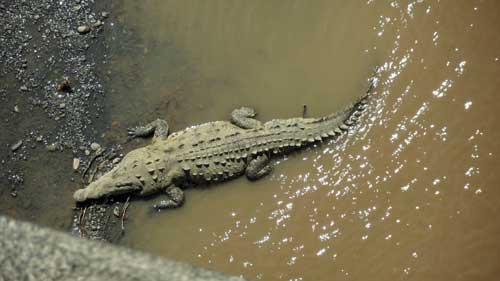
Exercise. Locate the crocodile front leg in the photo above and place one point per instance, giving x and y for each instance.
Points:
(159, 127)
(175, 198)
(243, 117)
(258, 168)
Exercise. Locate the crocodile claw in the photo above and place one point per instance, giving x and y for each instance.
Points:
(165, 204)
(139, 132)
(132, 132)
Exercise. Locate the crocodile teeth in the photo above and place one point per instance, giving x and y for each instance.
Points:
(155, 177)
(331, 133)
(343, 127)
(338, 131)
(310, 139)
(324, 135)
(318, 138)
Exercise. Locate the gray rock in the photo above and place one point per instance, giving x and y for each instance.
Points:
(83, 29)
(52, 147)
(76, 163)
(30, 252)
(95, 146)
(98, 23)
(16, 146)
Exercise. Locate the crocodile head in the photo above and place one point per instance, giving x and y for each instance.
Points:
(120, 180)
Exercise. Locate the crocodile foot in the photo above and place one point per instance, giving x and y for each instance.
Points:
(175, 199)
(159, 127)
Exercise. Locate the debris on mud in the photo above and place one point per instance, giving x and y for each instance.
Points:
(52, 95)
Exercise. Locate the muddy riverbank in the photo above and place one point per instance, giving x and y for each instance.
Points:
(53, 58)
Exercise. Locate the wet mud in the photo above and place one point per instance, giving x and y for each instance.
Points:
(52, 94)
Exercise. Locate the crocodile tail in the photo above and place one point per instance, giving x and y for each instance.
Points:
(350, 113)
(335, 124)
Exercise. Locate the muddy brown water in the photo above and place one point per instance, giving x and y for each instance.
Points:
(410, 194)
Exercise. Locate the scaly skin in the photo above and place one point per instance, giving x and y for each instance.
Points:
(213, 152)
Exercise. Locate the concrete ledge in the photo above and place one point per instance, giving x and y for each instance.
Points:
(30, 252)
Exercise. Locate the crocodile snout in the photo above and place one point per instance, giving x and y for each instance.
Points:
(104, 187)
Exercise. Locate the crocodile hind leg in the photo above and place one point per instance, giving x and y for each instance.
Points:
(258, 168)
(175, 199)
(243, 117)
(159, 127)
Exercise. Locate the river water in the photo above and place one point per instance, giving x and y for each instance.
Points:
(410, 194)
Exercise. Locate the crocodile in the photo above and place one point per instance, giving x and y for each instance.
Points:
(213, 152)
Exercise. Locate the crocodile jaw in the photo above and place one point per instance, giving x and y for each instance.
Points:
(105, 187)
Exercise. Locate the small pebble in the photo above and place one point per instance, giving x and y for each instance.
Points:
(16, 146)
(95, 146)
(98, 23)
(62, 105)
(76, 163)
(13, 194)
(83, 29)
(116, 211)
(23, 88)
(51, 147)
(16, 109)
(105, 14)
(39, 138)
(116, 160)
(87, 152)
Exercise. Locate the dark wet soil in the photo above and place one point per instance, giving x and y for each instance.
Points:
(52, 89)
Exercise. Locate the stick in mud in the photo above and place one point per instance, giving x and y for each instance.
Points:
(125, 207)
